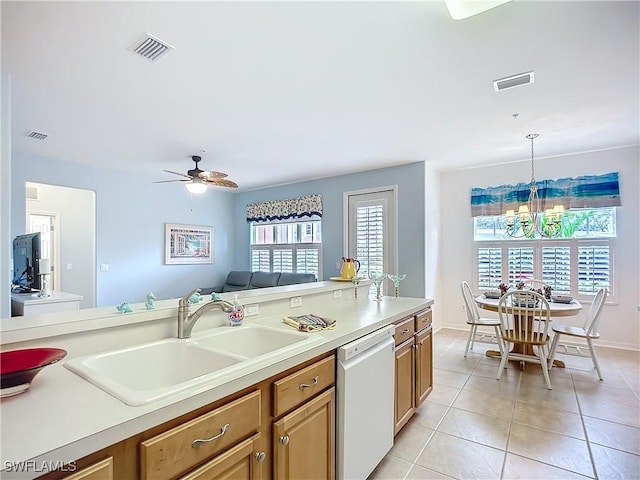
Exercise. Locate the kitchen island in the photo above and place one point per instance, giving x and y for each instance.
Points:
(69, 418)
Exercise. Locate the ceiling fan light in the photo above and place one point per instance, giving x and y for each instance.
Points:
(196, 187)
(461, 9)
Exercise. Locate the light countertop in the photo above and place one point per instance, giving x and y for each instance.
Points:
(63, 417)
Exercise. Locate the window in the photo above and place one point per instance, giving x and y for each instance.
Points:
(578, 263)
(287, 247)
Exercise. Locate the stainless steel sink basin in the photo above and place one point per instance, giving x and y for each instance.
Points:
(149, 372)
(254, 341)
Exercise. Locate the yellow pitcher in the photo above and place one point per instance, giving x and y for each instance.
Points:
(350, 268)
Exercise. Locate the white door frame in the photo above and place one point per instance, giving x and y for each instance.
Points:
(56, 242)
(393, 228)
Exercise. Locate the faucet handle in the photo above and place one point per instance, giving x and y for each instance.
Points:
(185, 300)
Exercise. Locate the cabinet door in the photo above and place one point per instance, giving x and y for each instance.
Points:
(304, 441)
(98, 471)
(243, 462)
(405, 384)
(424, 366)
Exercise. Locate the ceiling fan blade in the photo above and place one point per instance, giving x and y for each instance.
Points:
(176, 173)
(207, 174)
(166, 181)
(222, 182)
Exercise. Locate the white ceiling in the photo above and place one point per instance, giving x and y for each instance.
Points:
(279, 92)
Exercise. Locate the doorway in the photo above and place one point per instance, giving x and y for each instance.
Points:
(371, 226)
(47, 225)
(72, 242)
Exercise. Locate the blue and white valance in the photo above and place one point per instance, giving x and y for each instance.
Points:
(589, 191)
(307, 207)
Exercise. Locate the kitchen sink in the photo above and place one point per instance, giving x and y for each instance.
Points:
(254, 341)
(149, 372)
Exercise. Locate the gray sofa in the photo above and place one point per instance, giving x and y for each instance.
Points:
(243, 280)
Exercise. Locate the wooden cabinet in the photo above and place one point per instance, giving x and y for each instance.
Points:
(304, 440)
(102, 470)
(414, 367)
(242, 462)
(184, 447)
(281, 427)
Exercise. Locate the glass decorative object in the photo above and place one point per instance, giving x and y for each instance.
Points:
(356, 283)
(396, 279)
(149, 304)
(377, 278)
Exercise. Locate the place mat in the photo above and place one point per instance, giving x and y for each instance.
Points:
(310, 322)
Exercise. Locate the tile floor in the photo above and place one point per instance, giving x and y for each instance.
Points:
(474, 426)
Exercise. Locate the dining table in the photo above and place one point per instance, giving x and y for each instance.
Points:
(556, 309)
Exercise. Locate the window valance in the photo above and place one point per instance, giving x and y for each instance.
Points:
(589, 191)
(309, 206)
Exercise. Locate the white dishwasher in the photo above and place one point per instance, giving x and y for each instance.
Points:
(366, 395)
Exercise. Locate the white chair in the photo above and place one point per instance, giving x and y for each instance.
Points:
(524, 323)
(588, 331)
(475, 321)
(534, 283)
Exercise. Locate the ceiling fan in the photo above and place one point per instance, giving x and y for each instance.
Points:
(198, 180)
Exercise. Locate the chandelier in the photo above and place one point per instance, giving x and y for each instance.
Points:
(525, 223)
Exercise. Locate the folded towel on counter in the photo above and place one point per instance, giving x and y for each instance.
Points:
(310, 322)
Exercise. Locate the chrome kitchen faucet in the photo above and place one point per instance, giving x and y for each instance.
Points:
(186, 319)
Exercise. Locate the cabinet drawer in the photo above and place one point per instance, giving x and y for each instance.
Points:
(300, 386)
(98, 471)
(423, 319)
(176, 451)
(404, 330)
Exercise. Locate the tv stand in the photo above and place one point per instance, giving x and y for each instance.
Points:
(32, 304)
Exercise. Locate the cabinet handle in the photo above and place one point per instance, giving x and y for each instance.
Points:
(284, 440)
(307, 385)
(406, 330)
(260, 456)
(199, 441)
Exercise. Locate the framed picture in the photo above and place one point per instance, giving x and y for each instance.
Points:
(187, 244)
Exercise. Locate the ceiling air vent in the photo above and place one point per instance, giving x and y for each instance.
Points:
(513, 81)
(37, 135)
(150, 47)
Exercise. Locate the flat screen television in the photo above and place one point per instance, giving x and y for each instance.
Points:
(26, 253)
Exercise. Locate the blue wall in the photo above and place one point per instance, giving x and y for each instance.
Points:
(409, 178)
(130, 215)
(131, 212)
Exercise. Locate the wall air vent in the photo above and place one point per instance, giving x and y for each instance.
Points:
(32, 193)
(37, 135)
(513, 81)
(150, 47)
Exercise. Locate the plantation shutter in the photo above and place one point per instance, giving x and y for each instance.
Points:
(520, 264)
(260, 259)
(594, 267)
(282, 260)
(556, 268)
(308, 260)
(370, 238)
(489, 267)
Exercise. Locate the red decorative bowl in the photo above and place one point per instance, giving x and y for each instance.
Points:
(18, 367)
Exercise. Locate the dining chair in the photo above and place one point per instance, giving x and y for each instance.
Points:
(524, 324)
(474, 320)
(534, 283)
(588, 331)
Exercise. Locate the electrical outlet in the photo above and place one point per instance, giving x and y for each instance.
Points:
(104, 267)
(296, 302)
(463, 308)
(69, 266)
(337, 293)
(251, 310)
